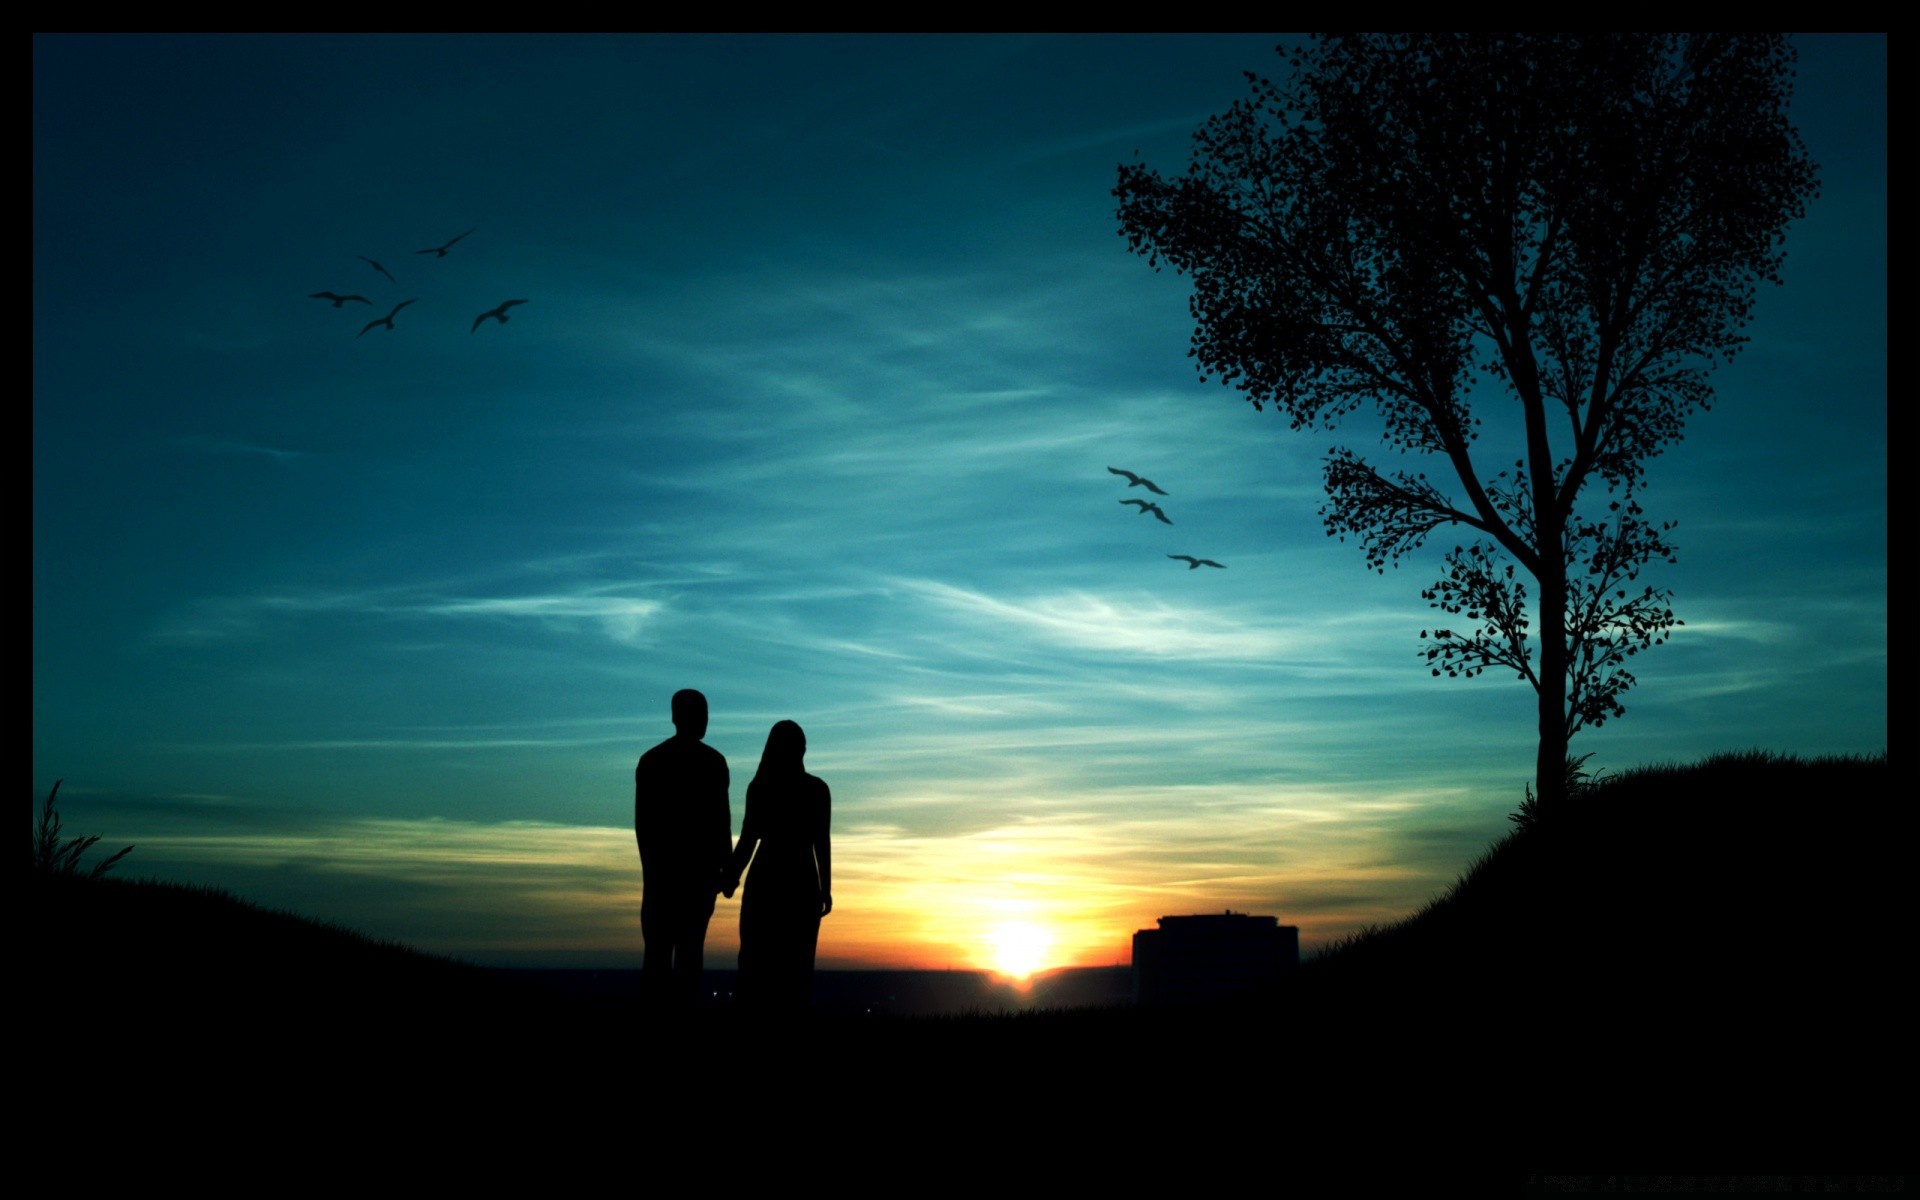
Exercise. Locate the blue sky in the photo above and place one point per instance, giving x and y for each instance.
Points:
(828, 345)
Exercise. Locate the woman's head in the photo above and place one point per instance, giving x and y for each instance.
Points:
(786, 749)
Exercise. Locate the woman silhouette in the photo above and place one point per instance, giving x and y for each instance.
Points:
(784, 837)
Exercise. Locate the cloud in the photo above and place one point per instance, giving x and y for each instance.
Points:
(1138, 625)
(411, 743)
(1763, 632)
(622, 618)
(611, 608)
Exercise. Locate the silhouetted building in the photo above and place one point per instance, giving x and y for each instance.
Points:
(1210, 957)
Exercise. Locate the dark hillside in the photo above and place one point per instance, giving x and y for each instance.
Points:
(140, 957)
(1682, 957)
(1747, 880)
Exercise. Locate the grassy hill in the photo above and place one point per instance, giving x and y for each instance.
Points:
(140, 957)
(1747, 880)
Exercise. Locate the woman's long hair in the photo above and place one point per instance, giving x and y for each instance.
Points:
(785, 754)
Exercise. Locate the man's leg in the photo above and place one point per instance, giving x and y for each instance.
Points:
(690, 951)
(656, 957)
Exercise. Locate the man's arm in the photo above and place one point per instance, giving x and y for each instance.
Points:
(642, 831)
(742, 849)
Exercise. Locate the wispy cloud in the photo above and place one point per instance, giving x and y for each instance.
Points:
(610, 608)
(410, 743)
(1136, 625)
(1733, 629)
(623, 618)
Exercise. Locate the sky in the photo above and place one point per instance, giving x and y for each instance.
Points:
(827, 348)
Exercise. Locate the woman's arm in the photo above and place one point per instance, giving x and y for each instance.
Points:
(742, 850)
(823, 850)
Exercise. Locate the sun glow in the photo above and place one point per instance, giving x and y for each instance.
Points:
(1020, 948)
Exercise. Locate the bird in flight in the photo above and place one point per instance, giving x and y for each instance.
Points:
(500, 312)
(1139, 481)
(376, 266)
(337, 300)
(1146, 508)
(1194, 564)
(442, 250)
(386, 320)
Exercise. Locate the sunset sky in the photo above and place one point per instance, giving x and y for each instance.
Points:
(828, 344)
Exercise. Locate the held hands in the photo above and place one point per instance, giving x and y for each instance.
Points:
(726, 883)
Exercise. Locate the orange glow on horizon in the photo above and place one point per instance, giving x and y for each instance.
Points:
(1017, 901)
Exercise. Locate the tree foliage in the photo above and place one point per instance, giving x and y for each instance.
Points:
(1559, 233)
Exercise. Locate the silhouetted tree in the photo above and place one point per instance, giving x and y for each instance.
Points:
(1417, 226)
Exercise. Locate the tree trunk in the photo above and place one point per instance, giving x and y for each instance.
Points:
(1550, 767)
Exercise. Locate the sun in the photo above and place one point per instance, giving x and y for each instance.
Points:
(1020, 948)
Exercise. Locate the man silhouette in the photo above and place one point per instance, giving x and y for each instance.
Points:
(684, 824)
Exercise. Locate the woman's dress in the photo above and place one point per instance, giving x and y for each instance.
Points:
(780, 911)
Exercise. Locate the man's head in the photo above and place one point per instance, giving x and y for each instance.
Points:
(690, 713)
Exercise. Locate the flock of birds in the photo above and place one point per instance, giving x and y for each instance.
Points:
(1147, 506)
(498, 313)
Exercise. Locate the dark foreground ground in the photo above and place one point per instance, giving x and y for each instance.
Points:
(1698, 979)
(881, 993)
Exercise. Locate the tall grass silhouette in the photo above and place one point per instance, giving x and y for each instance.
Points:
(55, 855)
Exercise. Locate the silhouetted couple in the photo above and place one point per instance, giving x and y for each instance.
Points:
(684, 824)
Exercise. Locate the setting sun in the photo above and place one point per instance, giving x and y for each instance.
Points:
(1020, 948)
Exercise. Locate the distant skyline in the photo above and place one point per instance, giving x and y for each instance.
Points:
(827, 348)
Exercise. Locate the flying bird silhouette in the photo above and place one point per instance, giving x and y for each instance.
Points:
(376, 266)
(1194, 564)
(386, 320)
(337, 300)
(1146, 507)
(1139, 481)
(441, 251)
(500, 312)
